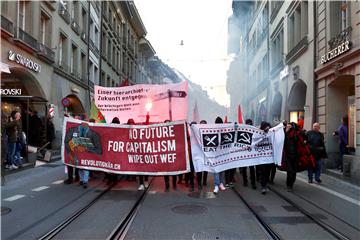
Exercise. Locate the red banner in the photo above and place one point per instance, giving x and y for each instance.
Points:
(159, 149)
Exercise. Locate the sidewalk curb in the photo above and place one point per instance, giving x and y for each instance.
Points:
(338, 175)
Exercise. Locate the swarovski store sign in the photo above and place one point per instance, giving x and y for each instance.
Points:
(342, 48)
(28, 63)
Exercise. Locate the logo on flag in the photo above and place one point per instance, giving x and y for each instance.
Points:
(244, 137)
(210, 140)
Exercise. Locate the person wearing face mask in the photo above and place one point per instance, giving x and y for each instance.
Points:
(219, 178)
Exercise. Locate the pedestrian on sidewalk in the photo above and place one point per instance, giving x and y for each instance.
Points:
(13, 129)
(243, 170)
(343, 133)
(219, 178)
(315, 139)
(189, 177)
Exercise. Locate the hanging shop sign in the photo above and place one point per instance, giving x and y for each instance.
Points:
(28, 63)
(340, 49)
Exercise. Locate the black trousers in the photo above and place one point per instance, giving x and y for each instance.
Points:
(70, 171)
(201, 178)
(229, 175)
(189, 177)
(243, 170)
(166, 180)
(142, 177)
(272, 172)
(264, 174)
(291, 169)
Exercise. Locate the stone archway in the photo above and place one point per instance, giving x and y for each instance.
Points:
(76, 107)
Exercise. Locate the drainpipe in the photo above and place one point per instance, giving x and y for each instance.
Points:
(101, 39)
(88, 53)
(314, 64)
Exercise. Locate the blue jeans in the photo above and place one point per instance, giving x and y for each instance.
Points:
(317, 171)
(343, 150)
(219, 178)
(84, 175)
(11, 153)
(19, 147)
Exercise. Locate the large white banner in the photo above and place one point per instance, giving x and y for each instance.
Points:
(218, 147)
(161, 102)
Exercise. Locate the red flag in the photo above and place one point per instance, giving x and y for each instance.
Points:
(225, 119)
(125, 82)
(240, 117)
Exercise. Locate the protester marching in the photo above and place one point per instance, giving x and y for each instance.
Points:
(175, 147)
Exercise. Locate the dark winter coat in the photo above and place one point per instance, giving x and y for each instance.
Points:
(317, 144)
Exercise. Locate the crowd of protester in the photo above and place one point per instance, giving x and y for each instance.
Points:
(303, 150)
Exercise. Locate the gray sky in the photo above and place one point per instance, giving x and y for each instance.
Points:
(202, 26)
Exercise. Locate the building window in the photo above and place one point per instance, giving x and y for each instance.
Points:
(83, 66)
(102, 80)
(22, 11)
(277, 48)
(73, 59)
(83, 20)
(44, 29)
(96, 37)
(62, 50)
(298, 24)
(91, 71)
(108, 84)
(339, 20)
(109, 50)
(103, 47)
(96, 75)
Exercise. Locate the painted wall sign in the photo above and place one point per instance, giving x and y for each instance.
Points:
(10, 92)
(342, 48)
(28, 63)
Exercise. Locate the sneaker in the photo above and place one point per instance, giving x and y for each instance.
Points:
(267, 189)
(310, 181)
(85, 185)
(81, 183)
(318, 180)
(7, 166)
(222, 188)
(263, 190)
(227, 185)
(146, 184)
(141, 187)
(253, 186)
(13, 167)
(231, 185)
(68, 181)
(216, 189)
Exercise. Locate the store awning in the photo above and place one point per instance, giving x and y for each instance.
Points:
(32, 99)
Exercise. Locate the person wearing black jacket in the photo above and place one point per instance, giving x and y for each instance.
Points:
(291, 154)
(264, 168)
(315, 139)
(243, 170)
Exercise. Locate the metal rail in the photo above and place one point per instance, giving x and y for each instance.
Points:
(56, 230)
(271, 233)
(319, 222)
(122, 228)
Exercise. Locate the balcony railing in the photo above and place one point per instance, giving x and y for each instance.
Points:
(342, 37)
(7, 25)
(64, 13)
(47, 53)
(27, 39)
(94, 48)
(75, 26)
(297, 49)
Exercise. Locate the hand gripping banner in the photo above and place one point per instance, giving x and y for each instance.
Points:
(218, 147)
(159, 149)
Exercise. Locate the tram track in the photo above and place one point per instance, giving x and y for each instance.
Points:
(119, 231)
(267, 229)
(316, 220)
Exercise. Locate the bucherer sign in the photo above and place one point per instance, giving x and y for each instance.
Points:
(342, 48)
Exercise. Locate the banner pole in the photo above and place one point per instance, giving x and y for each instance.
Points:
(170, 112)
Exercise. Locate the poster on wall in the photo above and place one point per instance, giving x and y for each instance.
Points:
(159, 102)
(159, 149)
